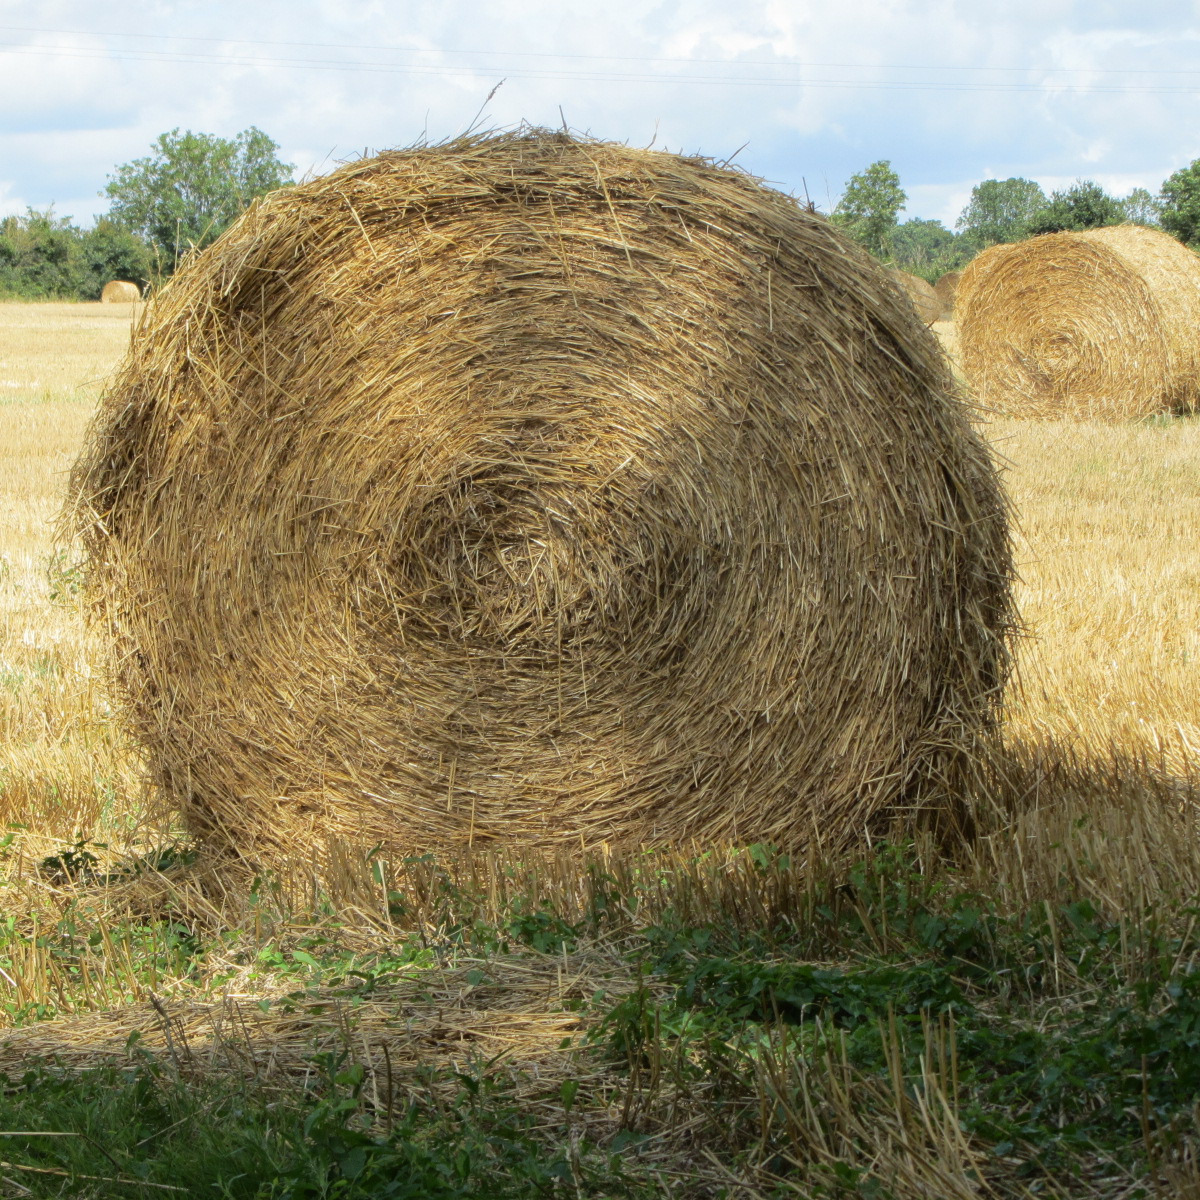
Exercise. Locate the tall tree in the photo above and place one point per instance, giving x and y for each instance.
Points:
(193, 187)
(1000, 210)
(1180, 198)
(870, 205)
(1084, 205)
(1141, 208)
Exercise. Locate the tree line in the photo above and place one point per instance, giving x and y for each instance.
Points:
(184, 194)
(1004, 210)
(193, 186)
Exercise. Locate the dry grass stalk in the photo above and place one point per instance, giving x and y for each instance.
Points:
(1098, 325)
(118, 291)
(946, 290)
(526, 489)
(481, 1007)
(923, 297)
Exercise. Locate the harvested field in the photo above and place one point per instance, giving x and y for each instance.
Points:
(431, 999)
(56, 351)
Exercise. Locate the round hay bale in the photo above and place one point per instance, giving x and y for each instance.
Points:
(1099, 325)
(922, 295)
(945, 290)
(117, 291)
(530, 490)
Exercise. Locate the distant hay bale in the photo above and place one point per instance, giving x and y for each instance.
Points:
(120, 292)
(945, 290)
(920, 293)
(1099, 325)
(531, 490)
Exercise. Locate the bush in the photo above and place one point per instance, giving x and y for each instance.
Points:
(1180, 200)
(46, 257)
(1084, 205)
(928, 249)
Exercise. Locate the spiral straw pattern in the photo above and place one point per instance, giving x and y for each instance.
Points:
(534, 490)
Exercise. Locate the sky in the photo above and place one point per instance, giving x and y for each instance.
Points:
(800, 92)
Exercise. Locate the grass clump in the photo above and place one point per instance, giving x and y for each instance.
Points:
(141, 1130)
(1053, 1044)
(708, 1025)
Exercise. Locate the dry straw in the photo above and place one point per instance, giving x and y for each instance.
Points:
(1099, 325)
(527, 489)
(946, 289)
(923, 297)
(119, 292)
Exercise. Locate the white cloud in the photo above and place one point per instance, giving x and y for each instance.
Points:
(10, 204)
(950, 91)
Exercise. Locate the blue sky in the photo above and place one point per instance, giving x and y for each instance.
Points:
(805, 93)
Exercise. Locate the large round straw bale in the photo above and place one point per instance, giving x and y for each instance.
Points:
(534, 490)
(945, 289)
(922, 295)
(1099, 325)
(117, 291)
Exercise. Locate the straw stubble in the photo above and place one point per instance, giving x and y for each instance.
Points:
(527, 489)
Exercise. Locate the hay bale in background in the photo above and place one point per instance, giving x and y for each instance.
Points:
(920, 293)
(533, 490)
(945, 290)
(1098, 325)
(119, 292)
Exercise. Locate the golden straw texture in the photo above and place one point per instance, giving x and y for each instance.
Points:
(117, 291)
(945, 289)
(922, 295)
(526, 489)
(1099, 325)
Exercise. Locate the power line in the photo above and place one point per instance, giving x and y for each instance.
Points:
(511, 54)
(478, 72)
(471, 71)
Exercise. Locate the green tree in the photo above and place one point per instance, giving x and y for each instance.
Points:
(1180, 200)
(111, 251)
(193, 187)
(928, 249)
(1141, 208)
(46, 257)
(1084, 205)
(870, 205)
(1000, 210)
(41, 257)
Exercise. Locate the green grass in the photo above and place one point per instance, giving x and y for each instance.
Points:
(879, 1032)
(142, 1130)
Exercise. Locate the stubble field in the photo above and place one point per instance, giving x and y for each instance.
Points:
(1017, 1014)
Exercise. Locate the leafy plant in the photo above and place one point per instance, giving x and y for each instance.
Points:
(869, 206)
(192, 187)
(1180, 200)
(1084, 205)
(1001, 210)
